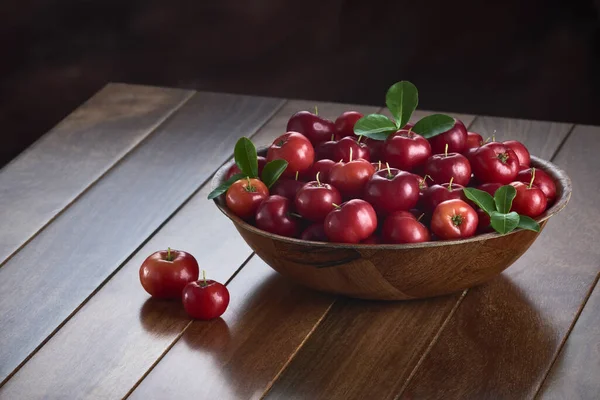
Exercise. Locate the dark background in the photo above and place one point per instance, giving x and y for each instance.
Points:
(532, 59)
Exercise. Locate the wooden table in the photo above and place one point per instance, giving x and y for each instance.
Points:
(126, 174)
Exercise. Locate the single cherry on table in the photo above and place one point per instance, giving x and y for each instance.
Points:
(294, 148)
(314, 127)
(165, 273)
(205, 299)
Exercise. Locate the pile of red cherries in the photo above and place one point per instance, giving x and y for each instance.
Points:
(344, 188)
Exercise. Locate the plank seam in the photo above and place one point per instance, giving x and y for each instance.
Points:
(91, 184)
(132, 254)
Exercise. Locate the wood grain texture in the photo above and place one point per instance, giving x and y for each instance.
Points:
(45, 282)
(140, 332)
(432, 313)
(49, 175)
(508, 333)
(236, 357)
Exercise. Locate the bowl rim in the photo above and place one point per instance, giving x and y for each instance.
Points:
(561, 179)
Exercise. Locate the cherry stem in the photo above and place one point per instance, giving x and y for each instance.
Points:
(204, 283)
(169, 257)
(336, 205)
(316, 110)
(410, 131)
(333, 137)
(494, 136)
(293, 214)
(318, 181)
(450, 184)
(446, 150)
(359, 137)
(420, 217)
(532, 177)
(350, 154)
(379, 166)
(427, 176)
(297, 172)
(389, 170)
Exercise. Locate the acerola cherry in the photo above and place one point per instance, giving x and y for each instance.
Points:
(455, 138)
(296, 149)
(474, 140)
(165, 273)
(490, 188)
(344, 124)
(373, 239)
(347, 146)
(541, 180)
(520, 150)
(495, 162)
(315, 200)
(287, 187)
(454, 219)
(275, 215)
(244, 197)
(350, 178)
(391, 190)
(321, 167)
(443, 167)
(437, 194)
(234, 169)
(375, 148)
(530, 200)
(398, 228)
(352, 222)
(406, 150)
(324, 150)
(315, 128)
(483, 226)
(205, 299)
(315, 232)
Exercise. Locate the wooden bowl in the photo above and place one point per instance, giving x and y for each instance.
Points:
(395, 271)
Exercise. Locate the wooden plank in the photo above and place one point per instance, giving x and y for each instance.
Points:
(505, 336)
(313, 375)
(144, 329)
(45, 282)
(37, 185)
(236, 357)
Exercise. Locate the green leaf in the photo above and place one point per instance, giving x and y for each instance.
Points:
(504, 222)
(528, 223)
(432, 125)
(375, 126)
(246, 157)
(504, 197)
(272, 171)
(484, 200)
(222, 188)
(402, 99)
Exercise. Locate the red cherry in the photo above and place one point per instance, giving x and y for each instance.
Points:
(344, 124)
(530, 200)
(520, 150)
(287, 188)
(483, 226)
(296, 149)
(274, 216)
(375, 148)
(391, 190)
(315, 233)
(348, 148)
(321, 167)
(205, 299)
(315, 128)
(399, 229)
(495, 162)
(406, 150)
(350, 178)
(234, 169)
(474, 141)
(490, 188)
(455, 138)
(352, 222)
(244, 197)
(315, 200)
(165, 273)
(443, 167)
(541, 180)
(454, 219)
(437, 194)
(373, 239)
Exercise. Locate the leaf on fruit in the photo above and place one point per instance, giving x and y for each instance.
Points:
(222, 188)
(484, 200)
(433, 125)
(272, 171)
(504, 222)
(402, 99)
(246, 157)
(375, 126)
(504, 197)
(528, 223)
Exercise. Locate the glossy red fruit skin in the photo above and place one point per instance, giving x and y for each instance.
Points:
(494, 162)
(520, 150)
(443, 223)
(344, 124)
(343, 147)
(244, 196)
(315, 200)
(455, 137)
(315, 128)
(406, 150)
(483, 226)
(437, 194)
(530, 201)
(350, 178)
(234, 169)
(315, 233)
(392, 190)
(474, 141)
(205, 300)
(296, 149)
(165, 279)
(375, 148)
(324, 151)
(321, 167)
(542, 180)
(353, 222)
(397, 229)
(287, 188)
(490, 187)
(273, 215)
(443, 167)
(373, 239)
